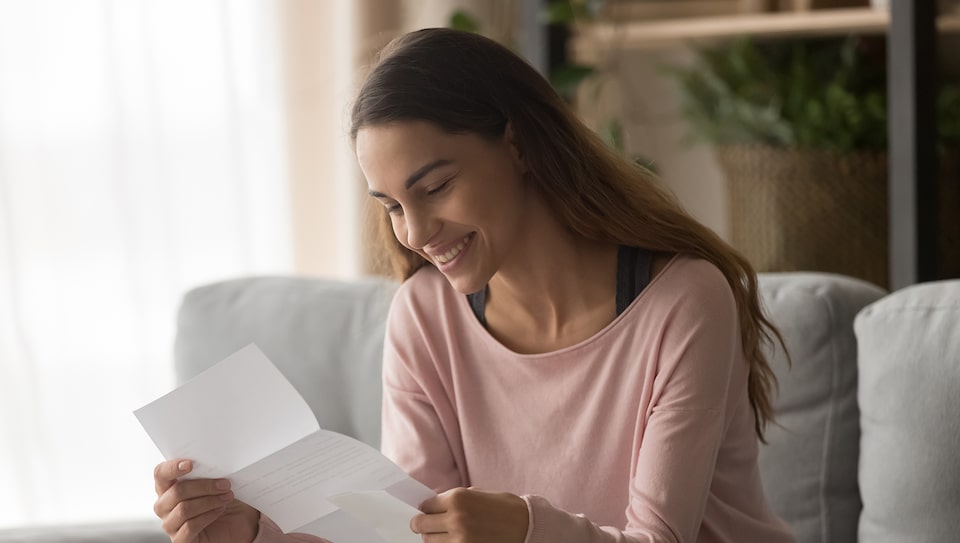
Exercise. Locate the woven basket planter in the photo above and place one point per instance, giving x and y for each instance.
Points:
(814, 210)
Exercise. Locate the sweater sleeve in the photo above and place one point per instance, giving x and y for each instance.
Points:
(678, 435)
(419, 428)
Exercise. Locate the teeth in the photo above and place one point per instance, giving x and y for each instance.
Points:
(452, 253)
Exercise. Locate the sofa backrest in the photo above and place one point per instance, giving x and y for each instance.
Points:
(809, 464)
(910, 402)
(325, 336)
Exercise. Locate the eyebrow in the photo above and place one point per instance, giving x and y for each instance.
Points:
(416, 176)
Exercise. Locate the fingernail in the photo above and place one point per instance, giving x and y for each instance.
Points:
(226, 497)
(183, 466)
(223, 484)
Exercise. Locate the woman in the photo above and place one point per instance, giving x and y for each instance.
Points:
(571, 357)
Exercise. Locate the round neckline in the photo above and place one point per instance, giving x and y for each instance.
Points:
(463, 305)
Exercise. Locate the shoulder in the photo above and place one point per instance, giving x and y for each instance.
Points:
(423, 300)
(696, 315)
(692, 282)
(689, 290)
(426, 286)
(428, 320)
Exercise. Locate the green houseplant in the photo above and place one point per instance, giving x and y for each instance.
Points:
(822, 94)
(800, 130)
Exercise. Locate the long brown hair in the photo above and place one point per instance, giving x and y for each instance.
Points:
(465, 83)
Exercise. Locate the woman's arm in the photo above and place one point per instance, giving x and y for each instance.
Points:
(419, 429)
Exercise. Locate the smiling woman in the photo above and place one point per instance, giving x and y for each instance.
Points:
(466, 185)
(571, 357)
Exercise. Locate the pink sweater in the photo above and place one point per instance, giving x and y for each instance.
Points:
(641, 433)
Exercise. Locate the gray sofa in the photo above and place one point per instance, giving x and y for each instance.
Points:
(865, 448)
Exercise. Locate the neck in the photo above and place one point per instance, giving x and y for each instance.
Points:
(553, 280)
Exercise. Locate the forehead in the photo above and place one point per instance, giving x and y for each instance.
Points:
(399, 144)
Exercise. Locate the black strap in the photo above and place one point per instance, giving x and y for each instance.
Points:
(633, 275)
(478, 302)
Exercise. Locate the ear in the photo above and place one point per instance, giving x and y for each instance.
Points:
(510, 139)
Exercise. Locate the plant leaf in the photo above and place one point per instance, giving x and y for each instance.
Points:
(612, 133)
(567, 77)
(461, 20)
(823, 93)
(559, 12)
(569, 11)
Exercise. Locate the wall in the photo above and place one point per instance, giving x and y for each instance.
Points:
(646, 100)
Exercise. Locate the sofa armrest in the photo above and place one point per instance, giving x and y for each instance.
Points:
(909, 397)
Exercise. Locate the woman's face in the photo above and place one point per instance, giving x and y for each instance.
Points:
(456, 200)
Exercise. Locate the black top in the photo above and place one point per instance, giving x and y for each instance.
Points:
(633, 275)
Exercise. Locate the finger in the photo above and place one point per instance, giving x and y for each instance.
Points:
(430, 524)
(185, 511)
(435, 538)
(190, 531)
(187, 490)
(166, 473)
(433, 505)
(451, 500)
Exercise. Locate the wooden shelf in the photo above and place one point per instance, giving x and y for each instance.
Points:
(594, 37)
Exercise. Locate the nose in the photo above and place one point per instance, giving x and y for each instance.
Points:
(420, 228)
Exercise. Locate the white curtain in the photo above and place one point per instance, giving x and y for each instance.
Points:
(141, 154)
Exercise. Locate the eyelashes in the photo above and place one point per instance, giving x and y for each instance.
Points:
(439, 188)
(395, 209)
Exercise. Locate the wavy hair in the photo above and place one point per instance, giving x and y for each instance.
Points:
(466, 83)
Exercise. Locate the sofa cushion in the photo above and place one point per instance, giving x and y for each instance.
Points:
(910, 415)
(325, 336)
(809, 464)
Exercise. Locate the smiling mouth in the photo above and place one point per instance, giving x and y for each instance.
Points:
(452, 253)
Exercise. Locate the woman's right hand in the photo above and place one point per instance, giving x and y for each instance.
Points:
(195, 510)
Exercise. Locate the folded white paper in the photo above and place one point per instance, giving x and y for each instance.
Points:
(242, 420)
(389, 516)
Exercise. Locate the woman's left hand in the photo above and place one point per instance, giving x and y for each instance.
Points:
(467, 515)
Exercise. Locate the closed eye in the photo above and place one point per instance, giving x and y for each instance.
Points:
(439, 188)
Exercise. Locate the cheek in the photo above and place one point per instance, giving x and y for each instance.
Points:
(399, 230)
(501, 199)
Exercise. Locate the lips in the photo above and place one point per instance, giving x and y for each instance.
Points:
(451, 254)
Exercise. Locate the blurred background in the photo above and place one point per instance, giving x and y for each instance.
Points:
(148, 147)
